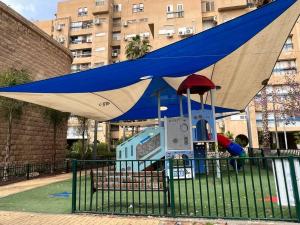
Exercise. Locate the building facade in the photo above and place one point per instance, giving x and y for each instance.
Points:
(97, 32)
(24, 46)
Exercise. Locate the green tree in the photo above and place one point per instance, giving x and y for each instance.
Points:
(11, 109)
(56, 119)
(137, 47)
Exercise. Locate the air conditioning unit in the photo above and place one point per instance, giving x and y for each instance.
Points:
(145, 35)
(215, 19)
(181, 33)
(169, 35)
(125, 24)
(97, 21)
(61, 40)
(189, 31)
(59, 27)
(126, 38)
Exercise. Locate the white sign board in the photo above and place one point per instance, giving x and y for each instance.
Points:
(182, 173)
(281, 168)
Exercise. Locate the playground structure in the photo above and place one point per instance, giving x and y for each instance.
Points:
(187, 136)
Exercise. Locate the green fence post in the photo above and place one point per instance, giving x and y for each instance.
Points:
(172, 195)
(295, 186)
(74, 184)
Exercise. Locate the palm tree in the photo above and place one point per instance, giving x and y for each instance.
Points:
(10, 108)
(137, 47)
(56, 119)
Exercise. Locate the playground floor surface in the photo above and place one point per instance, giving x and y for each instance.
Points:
(15, 216)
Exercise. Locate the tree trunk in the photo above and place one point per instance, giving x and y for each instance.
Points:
(7, 147)
(108, 139)
(83, 142)
(265, 119)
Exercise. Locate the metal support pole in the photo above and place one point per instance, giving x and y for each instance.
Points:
(158, 109)
(249, 129)
(202, 103)
(190, 117)
(172, 194)
(95, 140)
(181, 106)
(74, 184)
(212, 97)
(124, 133)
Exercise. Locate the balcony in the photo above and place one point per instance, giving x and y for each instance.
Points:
(225, 5)
(178, 14)
(101, 7)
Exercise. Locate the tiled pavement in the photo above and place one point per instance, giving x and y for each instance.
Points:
(21, 218)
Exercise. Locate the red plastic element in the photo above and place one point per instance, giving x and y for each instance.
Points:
(223, 141)
(198, 84)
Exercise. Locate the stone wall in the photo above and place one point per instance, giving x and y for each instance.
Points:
(24, 46)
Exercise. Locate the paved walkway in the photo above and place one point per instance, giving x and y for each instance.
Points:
(17, 218)
(30, 184)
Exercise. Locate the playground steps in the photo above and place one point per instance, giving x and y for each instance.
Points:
(111, 180)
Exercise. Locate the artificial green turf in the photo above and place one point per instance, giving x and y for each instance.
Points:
(232, 196)
(38, 199)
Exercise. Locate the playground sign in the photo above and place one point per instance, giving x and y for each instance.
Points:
(281, 170)
(182, 173)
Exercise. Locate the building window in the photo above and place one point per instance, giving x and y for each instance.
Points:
(285, 67)
(99, 64)
(82, 11)
(100, 2)
(82, 53)
(288, 46)
(180, 11)
(115, 51)
(175, 14)
(117, 8)
(117, 23)
(137, 8)
(209, 23)
(208, 6)
(81, 39)
(81, 25)
(116, 36)
(80, 67)
(170, 11)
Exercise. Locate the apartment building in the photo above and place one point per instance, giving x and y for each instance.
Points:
(97, 32)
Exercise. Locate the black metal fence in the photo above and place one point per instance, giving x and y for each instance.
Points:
(251, 188)
(15, 173)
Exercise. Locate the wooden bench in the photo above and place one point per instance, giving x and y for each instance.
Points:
(144, 181)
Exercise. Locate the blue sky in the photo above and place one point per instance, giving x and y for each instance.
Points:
(34, 9)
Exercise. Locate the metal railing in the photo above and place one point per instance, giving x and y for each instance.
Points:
(15, 173)
(263, 188)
